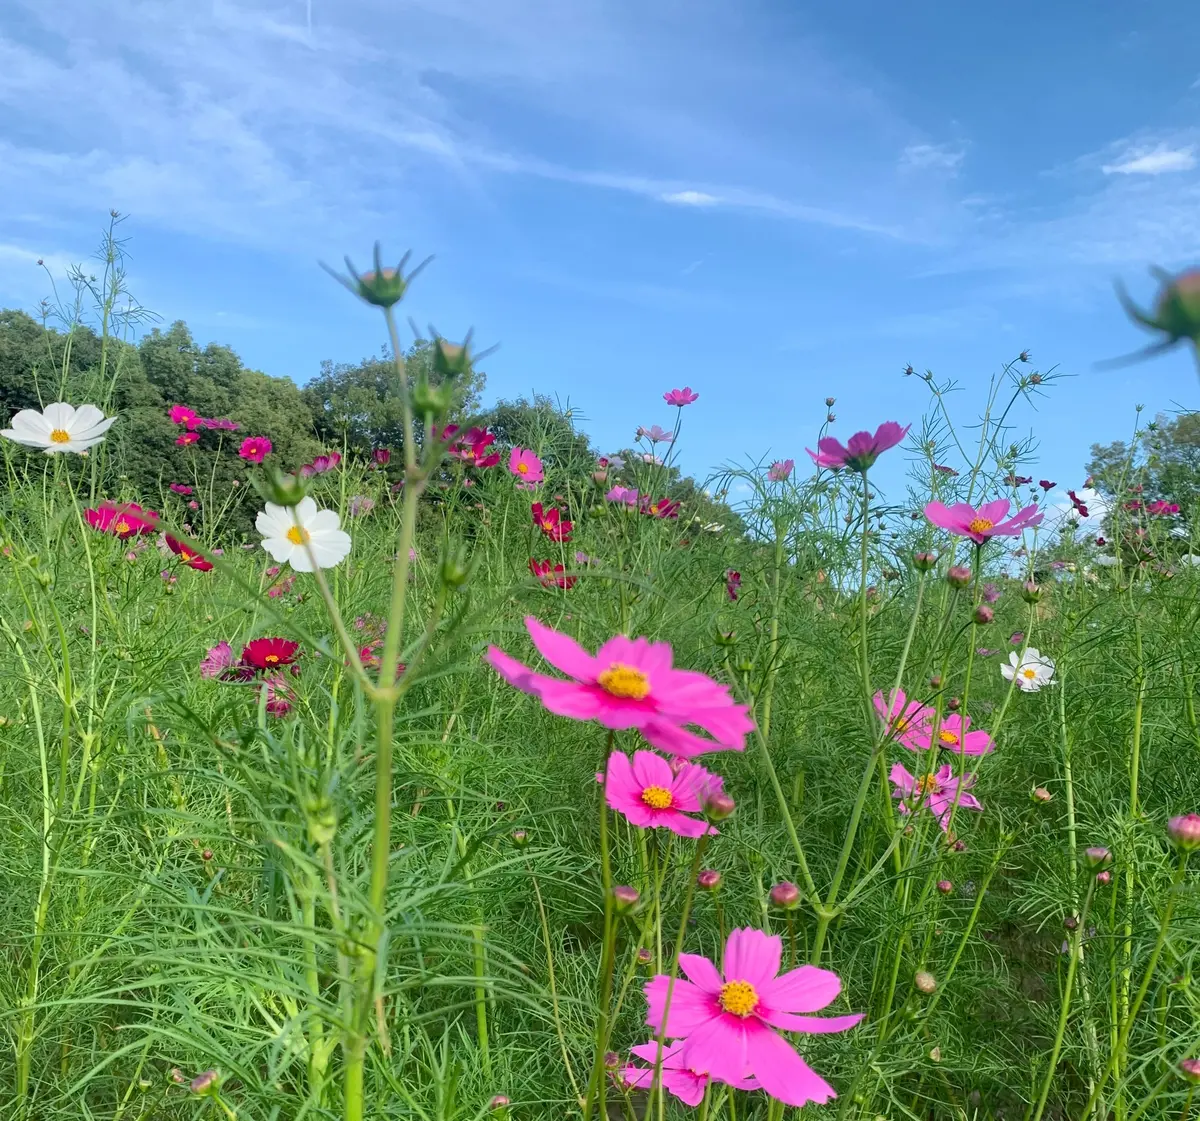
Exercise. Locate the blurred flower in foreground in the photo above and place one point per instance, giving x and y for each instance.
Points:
(861, 450)
(59, 428)
(1176, 313)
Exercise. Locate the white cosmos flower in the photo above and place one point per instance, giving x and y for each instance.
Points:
(286, 531)
(1031, 669)
(59, 428)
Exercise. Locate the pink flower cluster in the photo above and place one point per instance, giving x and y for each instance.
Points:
(262, 662)
(472, 447)
(652, 507)
(192, 422)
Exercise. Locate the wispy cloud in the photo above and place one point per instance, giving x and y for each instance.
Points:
(690, 198)
(1156, 162)
(939, 157)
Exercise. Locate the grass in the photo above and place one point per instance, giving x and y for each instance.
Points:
(195, 884)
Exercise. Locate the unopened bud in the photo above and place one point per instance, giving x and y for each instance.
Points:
(1184, 832)
(1040, 794)
(785, 895)
(644, 956)
(456, 565)
(708, 880)
(625, 898)
(829, 402)
(935, 682)
(205, 1084)
(281, 488)
(958, 576)
(925, 982)
(1030, 592)
(1104, 877)
(1190, 1069)
(954, 704)
(206, 855)
(945, 887)
(500, 1101)
(1071, 922)
(719, 807)
(924, 562)
(520, 838)
(1097, 856)
(611, 1060)
(984, 614)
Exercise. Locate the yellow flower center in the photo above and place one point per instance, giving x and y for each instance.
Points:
(980, 525)
(926, 784)
(657, 797)
(900, 724)
(185, 556)
(738, 998)
(272, 658)
(121, 527)
(948, 737)
(296, 535)
(523, 468)
(1029, 672)
(624, 681)
(60, 436)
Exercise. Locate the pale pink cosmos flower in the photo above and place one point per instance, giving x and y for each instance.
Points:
(627, 495)
(525, 465)
(955, 735)
(963, 520)
(907, 721)
(218, 659)
(630, 683)
(651, 794)
(677, 1077)
(655, 434)
(727, 1022)
(937, 792)
(861, 450)
(680, 397)
(780, 470)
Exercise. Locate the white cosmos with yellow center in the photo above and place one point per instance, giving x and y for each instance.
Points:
(302, 535)
(1031, 670)
(59, 428)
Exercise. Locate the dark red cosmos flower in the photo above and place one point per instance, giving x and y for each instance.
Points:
(1078, 503)
(181, 488)
(381, 457)
(733, 583)
(270, 653)
(942, 469)
(551, 523)
(663, 508)
(187, 556)
(1018, 480)
(551, 576)
(1046, 484)
(1101, 542)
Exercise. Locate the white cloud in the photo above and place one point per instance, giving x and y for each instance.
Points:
(1156, 162)
(690, 198)
(937, 157)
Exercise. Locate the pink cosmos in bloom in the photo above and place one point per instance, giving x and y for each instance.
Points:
(680, 397)
(551, 575)
(187, 438)
(780, 470)
(1160, 507)
(181, 488)
(937, 792)
(187, 556)
(861, 450)
(220, 424)
(662, 508)
(677, 1078)
(551, 522)
(181, 414)
(964, 520)
(526, 466)
(472, 449)
(626, 495)
(630, 683)
(726, 1021)
(218, 659)
(954, 735)
(121, 519)
(651, 794)
(279, 696)
(255, 449)
(907, 720)
(655, 434)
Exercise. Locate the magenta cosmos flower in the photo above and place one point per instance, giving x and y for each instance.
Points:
(907, 721)
(255, 449)
(727, 1023)
(680, 397)
(780, 470)
(678, 1078)
(651, 795)
(963, 520)
(861, 450)
(937, 792)
(525, 465)
(954, 735)
(630, 683)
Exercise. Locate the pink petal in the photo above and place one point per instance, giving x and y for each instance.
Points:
(690, 1007)
(752, 955)
(860, 443)
(994, 511)
(889, 434)
(783, 1074)
(811, 1025)
(672, 1053)
(719, 1047)
(701, 972)
(680, 824)
(901, 779)
(561, 651)
(675, 740)
(806, 989)
(566, 698)
(514, 672)
(686, 1086)
(652, 770)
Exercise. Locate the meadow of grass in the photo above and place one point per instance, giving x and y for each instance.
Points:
(380, 883)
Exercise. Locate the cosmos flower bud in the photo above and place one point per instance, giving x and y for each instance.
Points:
(381, 287)
(520, 838)
(1190, 1069)
(1040, 794)
(1030, 592)
(1104, 877)
(945, 887)
(281, 488)
(611, 1060)
(1184, 832)
(626, 898)
(984, 614)
(206, 855)
(644, 956)
(924, 562)
(1176, 312)
(1097, 856)
(1071, 922)
(785, 895)
(829, 402)
(719, 807)
(499, 1102)
(958, 576)
(205, 1084)
(924, 982)
(954, 704)
(708, 880)
(456, 566)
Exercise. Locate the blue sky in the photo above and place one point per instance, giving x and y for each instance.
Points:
(768, 201)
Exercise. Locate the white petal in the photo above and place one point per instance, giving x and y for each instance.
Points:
(29, 422)
(280, 548)
(305, 509)
(274, 521)
(331, 548)
(323, 521)
(85, 417)
(299, 559)
(59, 415)
(29, 439)
(91, 430)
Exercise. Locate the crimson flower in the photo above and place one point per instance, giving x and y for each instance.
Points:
(126, 519)
(187, 438)
(551, 523)
(1018, 480)
(1160, 507)
(381, 457)
(663, 508)
(181, 488)
(255, 449)
(1046, 484)
(1078, 503)
(942, 469)
(187, 555)
(270, 653)
(733, 583)
(551, 575)
(861, 450)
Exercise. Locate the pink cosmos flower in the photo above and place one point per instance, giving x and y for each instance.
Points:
(661, 508)
(1162, 507)
(655, 434)
(551, 522)
(525, 465)
(181, 414)
(964, 520)
(955, 735)
(472, 449)
(186, 438)
(380, 457)
(626, 495)
(726, 1022)
(651, 794)
(937, 792)
(630, 683)
(733, 583)
(220, 424)
(181, 488)
(861, 450)
(218, 659)
(255, 449)
(681, 397)
(121, 519)
(780, 470)
(907, 720)
(677, 1078)
(551, 575)
(279, 696)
